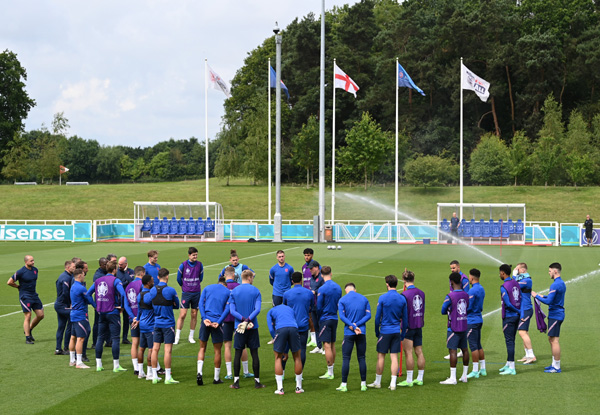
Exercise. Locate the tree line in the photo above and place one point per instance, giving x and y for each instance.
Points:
(541, 124)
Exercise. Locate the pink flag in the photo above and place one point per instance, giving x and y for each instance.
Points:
(344, 81)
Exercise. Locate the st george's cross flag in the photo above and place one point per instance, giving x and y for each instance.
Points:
(217, 82)
(344, 81)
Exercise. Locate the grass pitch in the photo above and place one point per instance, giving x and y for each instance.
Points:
(35, 381)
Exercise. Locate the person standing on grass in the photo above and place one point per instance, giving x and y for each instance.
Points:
(164, 300)
(355, 311)
(234, 260)
(464, 282)
(327, 308)
(132, 291)
(145, 320)
(302, 302)
(28, 297)
(510, 293)
(526, 312)
(189, 276)
(589, 230)
(415, 305)
(306, 282)
(455, 306)
(280, 277)
(79, 299)
(556, 313)
(100, 272)
(126, 275)
(62, 306)
(474, 324)
(316, 282)
(454, 225)
(391, 324)
(152, 266)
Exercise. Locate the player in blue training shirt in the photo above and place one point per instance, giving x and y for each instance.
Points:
(244, 305)
(355, 311)
(235, 264)
(132, 292)
(62, 306)
(282, 325)
(455, 267)
(413, 341)
(391, 324)
(27, 277)
(213, 309)
(306, 280)
(556, 313)
(79, 299)
(327, 307)
(510, 293)
(316, 281)
(126, 275)
(302, 302)
(145, 319)
(152, 266)
(189, 276)
(474, 324)
(526, 312)
(280, 277)
(164, 300)
(455, 306)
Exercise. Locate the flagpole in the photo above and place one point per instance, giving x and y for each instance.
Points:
(396, 157)
(333, 152)
(461, 137)
(322, 129)
(206, 128)
(59, 176)
(270, 163)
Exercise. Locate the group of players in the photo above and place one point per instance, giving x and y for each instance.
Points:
(304, 303)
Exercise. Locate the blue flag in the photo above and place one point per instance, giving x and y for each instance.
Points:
(274, 82)
(405, 80)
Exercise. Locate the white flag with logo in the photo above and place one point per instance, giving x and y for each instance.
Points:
(475, 83)
(217, 82)
(344, 81)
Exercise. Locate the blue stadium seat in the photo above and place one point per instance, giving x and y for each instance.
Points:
(485, 229)
(476, 228)
(468, 229)
(164, 226)
(182, 226)
(155, 227)
(147, 225)
(495, 228)
(200, 226)
(511, 226)
(504, 229)
(209, 225)
(173, 226)
(445, 226)
(519, 228)
(191, 226)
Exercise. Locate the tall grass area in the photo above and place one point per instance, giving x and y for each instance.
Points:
(35, 381)
(243, 201)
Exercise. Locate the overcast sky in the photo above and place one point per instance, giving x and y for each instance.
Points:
(132, 72)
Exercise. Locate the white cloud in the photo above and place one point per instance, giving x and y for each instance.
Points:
(83, 96)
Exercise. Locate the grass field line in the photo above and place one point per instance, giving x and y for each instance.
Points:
(21, 312)
(248, 257)
(571, 281)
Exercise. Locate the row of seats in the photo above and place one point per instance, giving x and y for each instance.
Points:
(486, 229)
(182, 226)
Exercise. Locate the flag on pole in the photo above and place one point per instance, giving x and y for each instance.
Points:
(217, 82)
(404, 80)
(475, 83)
(63, 169)
(274, 82)
(344, 81)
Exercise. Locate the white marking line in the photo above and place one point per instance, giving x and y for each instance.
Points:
(574, 280)
(21, 312)
(366, 295)
(360, 275)
(248, 257)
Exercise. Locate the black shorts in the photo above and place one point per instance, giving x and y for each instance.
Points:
(456, 340)
(146, 340)
(524, 322)
(190, 300)
(554, 327)
(389, 343)
(474, 336)
(31, 303)
(228, 330)
(327, 331)
(80, 329)
(164, 335)
(416, 335)
(215, 333)
(249, 339)
(287, 338)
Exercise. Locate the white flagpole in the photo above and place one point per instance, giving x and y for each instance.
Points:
(206, 127)
(59, 177)
(270, 163)
(396, 190)
(333, 153)
(461, 137)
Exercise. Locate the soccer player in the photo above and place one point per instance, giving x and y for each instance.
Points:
(145, 318)
(152, 266)
(306, 278)
(454, 224)
(244, 305)
(455, 306)
(589, 230)
(391, 324)
(280, 277)
(79, 264)
(282, 325)
(556, 313)
(510, 293)
(126, 275)
(455, 267)
(164, 300)
(27, 277)
(327, 307)
(355, 311)
(213, 309)
(413, 341)
(189, 276)
(80, 298)
(235, 263)
(62, 306)
(302, 302)
(316, 281)
(106, 289)
(526, 312)
(474, 324)
(132, 292)
(100, 272)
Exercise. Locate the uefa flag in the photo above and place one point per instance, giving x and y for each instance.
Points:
(63, 169)
(344, 81)
(475, 83)
(274, 82)
(405, 80)
(217, 82)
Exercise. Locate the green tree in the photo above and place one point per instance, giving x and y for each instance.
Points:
(109, 169)
(579, 151)
(519, 152)
(15, 158)
(159, 166)
(126, 166)
(228, 159)
(305, 148)
(488, 165)
(429, 171)
(547, 153)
